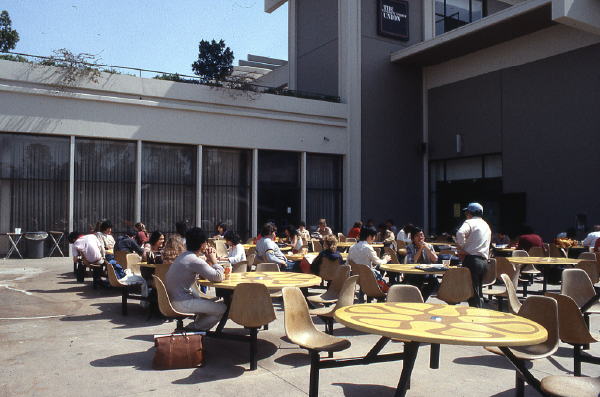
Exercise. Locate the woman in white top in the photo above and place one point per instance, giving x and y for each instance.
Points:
(405, 233)
(236, 252)
(293, 238)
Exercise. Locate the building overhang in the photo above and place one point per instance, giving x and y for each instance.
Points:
(514, 22)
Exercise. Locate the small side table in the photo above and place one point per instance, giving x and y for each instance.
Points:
(13, 243)
(56, 241)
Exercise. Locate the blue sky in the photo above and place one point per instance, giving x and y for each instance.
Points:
(148, 34)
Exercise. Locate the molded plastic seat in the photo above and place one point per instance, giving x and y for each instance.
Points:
(519, 253)
(514, 304)
(125, 288)
(300, 330)
(317, 247)
(588, 256)
(133, 263)
(404, 293)
(392, 253)
(447, 252)
(490, 277)
(267, 267)
(121, 258)
(350, 240)
(591, 268)
(164, 304)
(328, 268)
(368, 283)
(221, 248)
(536, 252)
(503, 266)
(544, 311)
(161, 271)
(528, 270)
(456, 286)
(569, 386)
(335, 287)
(341, 237)
(346, 299)
(252, 308)
(574, 330)
(577, 284)
(96, 270)
(240, 267)
(557, 252)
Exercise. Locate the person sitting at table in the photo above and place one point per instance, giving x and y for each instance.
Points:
(304, 234)
(91, 248)
(418, 251)
(106, 239)
(390, 225)
(323, 230)
(385, 236)
(270, 252)
(182, 276)
(128, 243)
(173, 248)
(154, 245)
(355, 231)
(329, 252)
(590, 240)
(221, 229)
(293, 238)
(404, 233)
(235, 250)
(571, 234)
(142, 235)
(500, 239)
(528, 239)
(363, 253)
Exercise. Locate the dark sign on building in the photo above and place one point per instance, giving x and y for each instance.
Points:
(392, 18)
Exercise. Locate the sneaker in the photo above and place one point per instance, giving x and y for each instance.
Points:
(192, 328)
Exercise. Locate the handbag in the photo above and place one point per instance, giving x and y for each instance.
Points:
(178, 350)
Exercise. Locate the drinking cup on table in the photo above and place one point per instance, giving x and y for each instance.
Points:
(446, 263)
(17, 230)
(227, 271)
(304, 251)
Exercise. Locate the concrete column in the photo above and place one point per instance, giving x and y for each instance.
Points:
(71, 189)
(303, 186)
(254, 221)
(428, 19)
(199, 187)
(138, 184)
(349, 84)
(292, 56)
(426, 154)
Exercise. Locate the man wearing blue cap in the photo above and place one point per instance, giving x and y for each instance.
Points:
(473, 240)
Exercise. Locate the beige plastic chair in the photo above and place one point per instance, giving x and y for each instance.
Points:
(569, 386)
(267, 267)
(240, 267)
(164, 304)
(392, 253)
(333, 292)
(544, 311)
(251, 307)
(96, 270)
(250, 251)
(300, 330)
(577, 284)
(161, 271)
(346, 299)
(121, 258)
(514, 304)
(519, 253)
(536, 252)
(574, 330)
(400, 244)
(591, 268)
(250, 240)
(528, 271)
(350, 240)
(133, 263)
(503, 266)
(490, 277)
(328, 268)
(125, 289)
(588, 256)
(447, 252)
(557, 252)
(341, 237)
(404, 293)
(317, 247)
(456, 286)
(368, 283)
(221, 248)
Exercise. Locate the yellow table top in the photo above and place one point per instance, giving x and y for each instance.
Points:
(448, 324)
(408, 268)
(247, 246)
(440, 244)
(110, 252)
(146, 264)
(534, 260)
(273, 280)
(344, 244)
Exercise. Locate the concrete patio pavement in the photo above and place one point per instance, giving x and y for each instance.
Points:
(61, 338)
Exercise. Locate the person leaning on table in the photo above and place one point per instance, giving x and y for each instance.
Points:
(418, 251)
(267, 249)
(473, 246)
(363, 253)
(182, 276)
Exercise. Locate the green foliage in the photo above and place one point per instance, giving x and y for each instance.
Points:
(14, 58)
(214, 61)
(8, 36)
(174, 77)
(74, 67)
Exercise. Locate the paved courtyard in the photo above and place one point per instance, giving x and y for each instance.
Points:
(60, 337)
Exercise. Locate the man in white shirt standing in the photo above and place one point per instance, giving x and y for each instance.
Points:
(473, 241)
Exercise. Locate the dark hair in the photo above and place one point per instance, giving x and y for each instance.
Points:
(222, 225)
(366, 232)
(181, 227)
(408, 228)
(382, 226)
(357, 224)
(302, 223)
(292, 230)
(105, 225)
(370, 221)
(391, 221)
(132, 233)
(571, 233)
(415, 230)
(232, 236)
(154, 237)
(527, 229)
(596, 228)
(74, 236)
(194, 238)
(267, 229)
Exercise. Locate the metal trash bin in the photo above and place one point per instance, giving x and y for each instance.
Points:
(35, 244)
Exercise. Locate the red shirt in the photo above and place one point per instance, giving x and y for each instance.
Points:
(527, 241)
(597, 246)
(355, 232)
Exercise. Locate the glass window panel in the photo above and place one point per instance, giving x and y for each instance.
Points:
(226, 189)
(168, 186)
(104, 184)
(468, 168)
(34, 185)
(493, 166)
(324, 191)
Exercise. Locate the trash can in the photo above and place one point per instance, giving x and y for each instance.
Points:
(35, 244)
